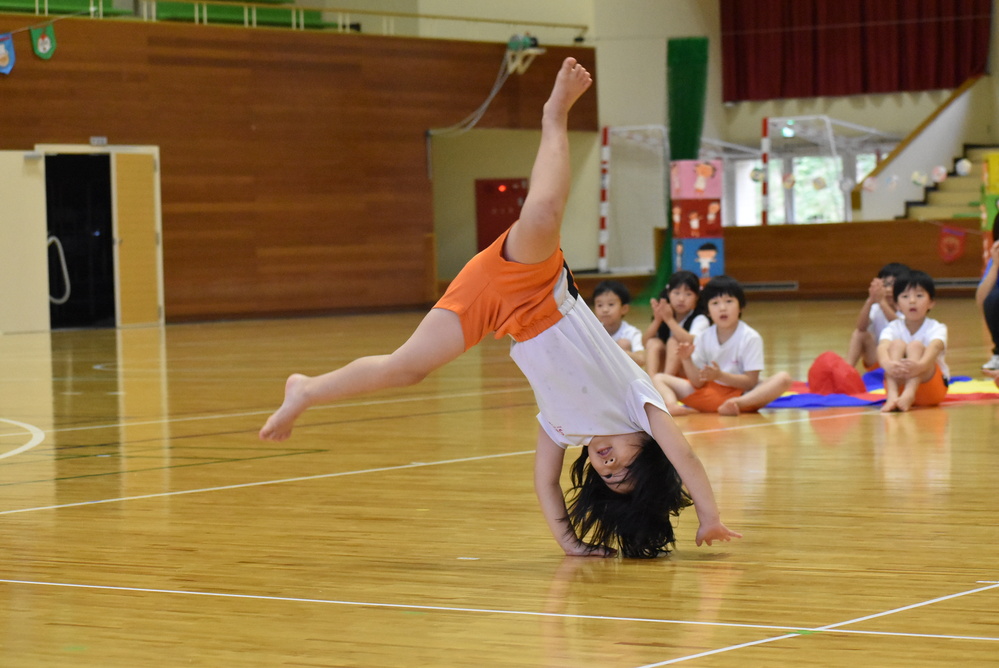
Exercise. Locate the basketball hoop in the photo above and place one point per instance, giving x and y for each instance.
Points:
(518, 60)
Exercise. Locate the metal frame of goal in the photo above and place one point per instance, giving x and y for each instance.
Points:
(634, 196)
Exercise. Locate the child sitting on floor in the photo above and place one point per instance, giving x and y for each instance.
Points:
(911, 350)
(676, 318)
(723, 364)
(611, 302)
(875, 314)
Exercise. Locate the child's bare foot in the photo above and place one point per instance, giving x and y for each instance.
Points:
(729, 407)
(890, 406)
(905, 402)
(571, 82)
(278, 426)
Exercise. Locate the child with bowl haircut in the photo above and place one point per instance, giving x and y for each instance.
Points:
(629, 479)
(874, 316)
(911, 349)
(611, 302)
(724, 362)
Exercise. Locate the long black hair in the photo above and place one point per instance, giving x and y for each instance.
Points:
(638, 523)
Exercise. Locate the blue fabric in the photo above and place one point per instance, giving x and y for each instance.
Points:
(808, 400)
(873, 380)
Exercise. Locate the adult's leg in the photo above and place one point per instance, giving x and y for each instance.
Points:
(437, 340)
(990, 309)
(535, 236)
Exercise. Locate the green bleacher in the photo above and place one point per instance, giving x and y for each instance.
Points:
(180, 10)
(235, 14)
(60, 7)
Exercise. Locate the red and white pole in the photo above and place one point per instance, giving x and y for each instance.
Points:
(604, 202)
(765, 148)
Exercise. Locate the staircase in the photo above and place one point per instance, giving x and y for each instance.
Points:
(957, 196)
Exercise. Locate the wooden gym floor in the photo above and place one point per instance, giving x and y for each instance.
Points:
(143, 524)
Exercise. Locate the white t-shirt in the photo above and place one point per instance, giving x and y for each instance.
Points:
(700, 323)
(584, 383)
(741, 353)
(631, 333)
(930, 330)
(879, 321)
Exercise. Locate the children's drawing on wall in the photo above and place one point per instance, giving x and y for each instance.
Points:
(705, 257)
(696, 179)
(695, 218)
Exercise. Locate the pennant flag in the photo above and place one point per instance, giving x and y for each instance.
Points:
(6, 53)
(43, 40)
(951, 243)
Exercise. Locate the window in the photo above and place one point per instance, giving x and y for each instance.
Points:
(815, 195)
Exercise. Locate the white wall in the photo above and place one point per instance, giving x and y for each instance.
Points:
(631, 39)
(24, 279)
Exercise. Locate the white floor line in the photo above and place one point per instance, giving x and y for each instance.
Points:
(304, 423)
(319, 476)
(795, 631)
(37, 436)
(832, 627)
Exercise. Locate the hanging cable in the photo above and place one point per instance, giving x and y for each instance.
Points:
(472, 119)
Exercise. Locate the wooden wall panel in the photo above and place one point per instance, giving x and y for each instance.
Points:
(832, 260)
(839, 260)
(293, 163)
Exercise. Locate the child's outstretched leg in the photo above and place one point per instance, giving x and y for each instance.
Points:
(672, 389)
(535, 236)
(765, 391)
(437, 340)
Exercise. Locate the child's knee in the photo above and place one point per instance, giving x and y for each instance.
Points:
(784, 380)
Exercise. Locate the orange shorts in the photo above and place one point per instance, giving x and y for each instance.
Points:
(933, 391)
(492, 293)
(708, 398)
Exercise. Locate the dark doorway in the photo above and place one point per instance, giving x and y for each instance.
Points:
(81, 250)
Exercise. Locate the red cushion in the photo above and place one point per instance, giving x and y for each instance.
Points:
(830, 374)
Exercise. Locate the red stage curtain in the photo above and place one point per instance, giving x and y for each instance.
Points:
(806, 48)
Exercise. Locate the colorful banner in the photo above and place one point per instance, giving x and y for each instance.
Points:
(951, 243)
(6, 53)
(43, 41)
